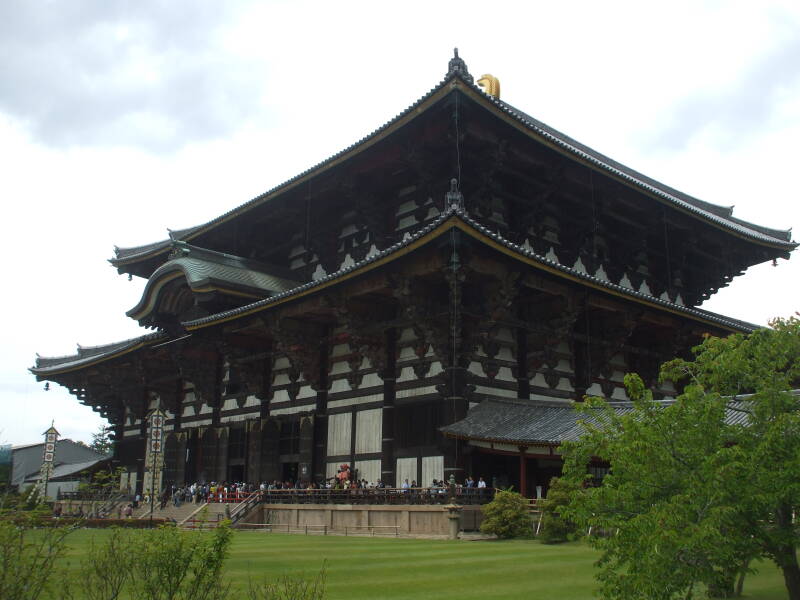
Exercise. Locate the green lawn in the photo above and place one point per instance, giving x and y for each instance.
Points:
(403, 568)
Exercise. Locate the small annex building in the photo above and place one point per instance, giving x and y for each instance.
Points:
(427, 302)
(72, 460)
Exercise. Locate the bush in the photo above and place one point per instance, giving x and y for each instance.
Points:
(555, 528)
(507, 516)
(105, 571)
(291, 588)
(28, 559)
(45, 520)
(174, 564)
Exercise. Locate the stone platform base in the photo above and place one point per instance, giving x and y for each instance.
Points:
(359, 519)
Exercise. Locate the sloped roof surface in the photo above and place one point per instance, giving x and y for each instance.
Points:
(457, 215)
(27, 460)
(546, 423)
(45, 364)
(721, 215)
(69, 469)
(460, 215)
(203, 268)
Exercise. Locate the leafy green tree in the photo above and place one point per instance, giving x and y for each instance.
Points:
(700, 486)
(101, 442)
(555, 527)
(507, 515)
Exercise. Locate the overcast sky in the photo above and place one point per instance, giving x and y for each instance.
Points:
(121, 119)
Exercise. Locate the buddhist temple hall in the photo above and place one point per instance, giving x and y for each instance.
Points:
(427, 302)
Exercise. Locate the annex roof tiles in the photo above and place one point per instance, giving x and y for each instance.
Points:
(540, 422)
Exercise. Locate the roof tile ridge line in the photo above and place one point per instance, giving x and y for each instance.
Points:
(637, 174)
(460, 212)
(723, 319)
(191, 231)
(440, 219)
(226, 259)
(600, 155)
(118, 346)
(526, 120)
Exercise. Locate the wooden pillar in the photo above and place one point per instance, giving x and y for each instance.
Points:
(320, 439)
(253, 451)
(523, 471)
(222, 453)
(305, 472)
(180, 460)
(216, 403)
(388, 475)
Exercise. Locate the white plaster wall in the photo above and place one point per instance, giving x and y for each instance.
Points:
(432, 468)
(368, 469)
(406, 469)
(339, 434)
(369, 431)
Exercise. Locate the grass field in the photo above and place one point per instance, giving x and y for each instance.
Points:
(404, 568)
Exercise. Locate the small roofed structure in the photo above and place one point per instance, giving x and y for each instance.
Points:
(71, 461)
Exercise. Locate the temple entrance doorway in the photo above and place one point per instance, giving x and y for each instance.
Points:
(289, 471)
(192, 456)
(236, 473)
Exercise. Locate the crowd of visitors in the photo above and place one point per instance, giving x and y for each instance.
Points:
(235, 492)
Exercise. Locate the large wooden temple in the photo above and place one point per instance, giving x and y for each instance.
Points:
(463, 258)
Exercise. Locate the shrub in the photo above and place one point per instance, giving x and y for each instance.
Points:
(105, 571)
(174, 564)
(28, 559)
(555, 528)
(291, 588)
(507, 516)
(46, 521)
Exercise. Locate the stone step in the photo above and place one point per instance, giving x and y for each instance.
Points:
(171, 512)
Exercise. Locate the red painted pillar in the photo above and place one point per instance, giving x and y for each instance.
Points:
(523, 471)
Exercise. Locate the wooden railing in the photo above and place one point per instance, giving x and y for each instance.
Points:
(378, 496)
(244, 507)
(371, 530)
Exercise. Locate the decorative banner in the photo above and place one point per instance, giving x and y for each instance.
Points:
(46, 471)
(152, 476)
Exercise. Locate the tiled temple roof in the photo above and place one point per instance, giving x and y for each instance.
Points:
(720, 215)
(203, 269)
(549, 423)
(89, 355)
(439, 226)
(453, 216)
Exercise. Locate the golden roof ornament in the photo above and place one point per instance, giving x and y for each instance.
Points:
(490, 84)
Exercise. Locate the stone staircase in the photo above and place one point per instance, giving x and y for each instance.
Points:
(175, 513)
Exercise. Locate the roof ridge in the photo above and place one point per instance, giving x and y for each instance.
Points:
(457, 69)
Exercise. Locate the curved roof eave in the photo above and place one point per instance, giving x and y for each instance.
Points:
(49, 366)
(450, 218)
(456, 217)
(720, 215)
